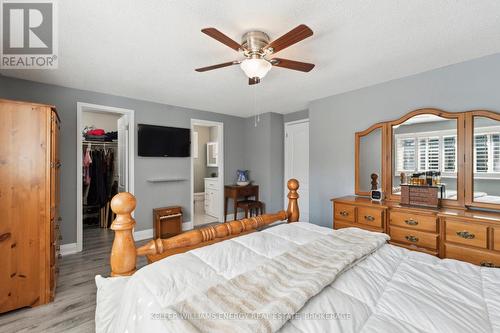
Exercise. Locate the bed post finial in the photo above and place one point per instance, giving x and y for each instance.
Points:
(293, 206)
(123, 253)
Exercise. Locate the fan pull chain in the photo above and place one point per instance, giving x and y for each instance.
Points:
(257, 118)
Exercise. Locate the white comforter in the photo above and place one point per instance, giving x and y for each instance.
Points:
(392, 290)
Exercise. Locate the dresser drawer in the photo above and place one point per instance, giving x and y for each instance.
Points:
(466, 233)
(210, 184)
(372, 217)
(475, 256)
(246, 191)
(496, 239)
(413, 221)
(344, 212)
(340, 225)
(414, 237)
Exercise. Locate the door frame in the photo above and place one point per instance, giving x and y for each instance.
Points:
(285, 165)
(220, 173)
(86, 107)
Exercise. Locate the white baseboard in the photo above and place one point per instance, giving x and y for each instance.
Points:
(70, 248)
(143, 234)
(187, 226)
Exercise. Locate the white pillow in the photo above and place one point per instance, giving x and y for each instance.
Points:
(109, 294)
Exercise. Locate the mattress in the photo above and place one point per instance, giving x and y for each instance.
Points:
(391, 290)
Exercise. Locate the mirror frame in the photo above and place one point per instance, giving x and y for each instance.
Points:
(465, 152)
(469, 155)
(459, 117)
(381, 178)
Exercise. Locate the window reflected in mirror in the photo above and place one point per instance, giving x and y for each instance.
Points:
(370, 159)
(486, 159)
(426, 145)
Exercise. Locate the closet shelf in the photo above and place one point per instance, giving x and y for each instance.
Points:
(165, 180)
(100, 142)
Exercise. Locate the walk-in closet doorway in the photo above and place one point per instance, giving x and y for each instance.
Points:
(105, 166)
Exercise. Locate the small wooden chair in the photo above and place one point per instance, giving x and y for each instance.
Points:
(251, 206)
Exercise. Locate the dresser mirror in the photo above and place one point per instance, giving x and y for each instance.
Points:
(460, 151)
(369, 153)
(425, 143)
(486, 161)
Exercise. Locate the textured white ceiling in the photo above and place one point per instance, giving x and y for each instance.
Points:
(149, 49)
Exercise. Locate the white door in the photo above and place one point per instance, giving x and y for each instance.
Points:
(297, 162)
(123, 143)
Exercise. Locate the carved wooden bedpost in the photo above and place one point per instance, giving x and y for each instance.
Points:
(293, 207)
(123, 253)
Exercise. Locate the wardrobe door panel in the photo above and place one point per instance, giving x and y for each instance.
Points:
(23, 182)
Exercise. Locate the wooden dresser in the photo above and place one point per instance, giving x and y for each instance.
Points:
(472, 236)
(29, 202)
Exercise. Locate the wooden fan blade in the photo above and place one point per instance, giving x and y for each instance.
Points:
(292, 64)
(219, 36)
(253, 80)
(209, 68)
(293, 36)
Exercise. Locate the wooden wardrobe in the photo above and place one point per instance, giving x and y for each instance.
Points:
(29, 204)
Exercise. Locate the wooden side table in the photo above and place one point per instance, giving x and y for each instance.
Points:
(167, 221)
(234, 192)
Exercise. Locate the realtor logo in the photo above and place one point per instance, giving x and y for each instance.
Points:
(29, 38)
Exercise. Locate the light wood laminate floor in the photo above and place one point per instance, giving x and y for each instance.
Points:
(73, 309)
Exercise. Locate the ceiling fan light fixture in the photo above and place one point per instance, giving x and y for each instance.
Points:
(256, 67)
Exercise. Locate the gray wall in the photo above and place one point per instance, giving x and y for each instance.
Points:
(149, 195)
(264, 154)
(264, 157)
(298, 115)
(334, 120)
(277, 152)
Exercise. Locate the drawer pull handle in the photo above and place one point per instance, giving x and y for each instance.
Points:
(369, 218)
(412, 239)
(465, 235)
(169, 216)
(411, 222)
(344, 213)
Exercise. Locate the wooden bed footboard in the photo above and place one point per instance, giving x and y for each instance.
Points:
(124, 253)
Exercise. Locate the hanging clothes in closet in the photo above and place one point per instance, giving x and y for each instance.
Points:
(99, 183)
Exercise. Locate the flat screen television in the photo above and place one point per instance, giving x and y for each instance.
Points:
(160, 141)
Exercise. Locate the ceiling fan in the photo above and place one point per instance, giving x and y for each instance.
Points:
(257, 47)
